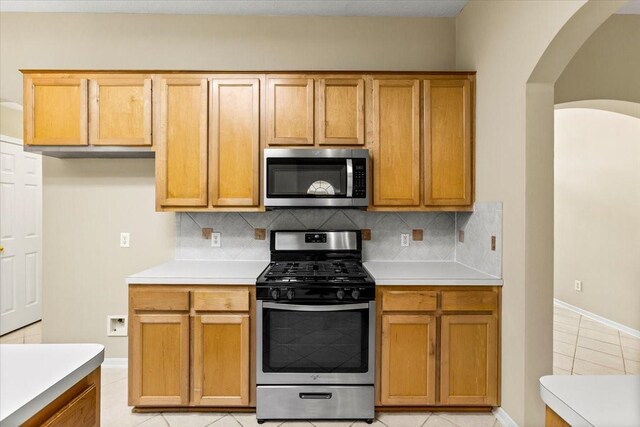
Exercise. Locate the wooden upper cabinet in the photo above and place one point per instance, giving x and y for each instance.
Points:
(234, 128)
(290, 111)
(221, 352)
(447, 143)
(159, 360)
(396, 142)
(469, 360)
(181, 152)
(120, 111)
(55, 111)
(340, 111)
(408, 363)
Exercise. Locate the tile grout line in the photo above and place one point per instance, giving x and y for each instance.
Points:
(575, 348)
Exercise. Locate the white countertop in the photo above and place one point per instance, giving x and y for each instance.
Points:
(593, 401)
(192, 272)
(188, 272)
(448, 273)
(33, 375)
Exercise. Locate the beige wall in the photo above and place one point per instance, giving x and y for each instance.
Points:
(505, 42)
(192, 42)
(607, 66)
(87, 203)
(10, 122)
(597, 226)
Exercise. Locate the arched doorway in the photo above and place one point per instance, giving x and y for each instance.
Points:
(519, 49)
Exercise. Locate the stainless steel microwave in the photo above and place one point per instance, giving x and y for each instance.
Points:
(303, 177)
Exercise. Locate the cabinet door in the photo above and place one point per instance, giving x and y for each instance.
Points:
(340, 112)
(396, 142)
(290, 112)
(159, 369)
(221, 360)
(120, 112)
(55, 111)
(408, 364)
(447, 143)
(181, 155)
(469, 360)
(235, 142)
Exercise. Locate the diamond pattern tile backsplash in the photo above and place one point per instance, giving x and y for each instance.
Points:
(439, 242)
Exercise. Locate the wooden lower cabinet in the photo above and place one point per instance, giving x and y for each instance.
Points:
(221, 360)
(159, 372)
(79, 406)
(438, 346)
(191, 346)
(469, 360)
(408, 360)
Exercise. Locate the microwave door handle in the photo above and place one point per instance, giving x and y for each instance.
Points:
(295, 307)
(349, 178)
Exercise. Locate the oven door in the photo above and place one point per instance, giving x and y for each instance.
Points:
(315, 344)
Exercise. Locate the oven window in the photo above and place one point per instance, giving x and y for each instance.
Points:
(306, 177)
(328, 341)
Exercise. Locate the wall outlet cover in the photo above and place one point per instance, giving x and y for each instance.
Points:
(577, 285)
(206, 233)
(125, 240)
(216, 239)
(366, 233)
(417, 234)
(117, 325)
(404, 240)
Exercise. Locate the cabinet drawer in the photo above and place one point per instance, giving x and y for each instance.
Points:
(221, 300)
(159, 300)
(469, 301)
(409, 301)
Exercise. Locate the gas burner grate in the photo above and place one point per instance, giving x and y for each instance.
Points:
(314, 270)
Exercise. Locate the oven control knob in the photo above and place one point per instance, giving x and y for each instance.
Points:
(275, 293)
(291, 293)
(355, 294)
(340, 294)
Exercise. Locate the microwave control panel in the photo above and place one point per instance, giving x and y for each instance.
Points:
(359, 178)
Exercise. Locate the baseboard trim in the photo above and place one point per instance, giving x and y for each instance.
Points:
(504, 418)
(115, 362)
(597, 318)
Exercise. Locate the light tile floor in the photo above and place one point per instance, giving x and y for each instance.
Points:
(581, 346)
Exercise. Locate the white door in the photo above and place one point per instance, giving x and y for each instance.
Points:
(20, 236)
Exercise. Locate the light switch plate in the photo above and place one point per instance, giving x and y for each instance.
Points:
(125, 240)
(578, 285)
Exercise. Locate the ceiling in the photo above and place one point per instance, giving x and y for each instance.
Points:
(435, 8)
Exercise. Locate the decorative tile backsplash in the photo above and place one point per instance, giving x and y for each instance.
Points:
(478, 228)
(439, 242)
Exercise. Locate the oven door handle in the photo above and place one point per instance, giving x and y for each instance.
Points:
(297, 307)
(349, 178)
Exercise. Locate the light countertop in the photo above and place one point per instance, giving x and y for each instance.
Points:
(593, 401)
(192, 272)
(33, 375)
(188, 272)
(448, 273)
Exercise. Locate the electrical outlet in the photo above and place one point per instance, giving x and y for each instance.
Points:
(578, 285)
(404, 240)
(125, 240)
(117, 326)
(215, 240)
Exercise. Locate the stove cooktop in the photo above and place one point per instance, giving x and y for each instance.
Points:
(315, 265)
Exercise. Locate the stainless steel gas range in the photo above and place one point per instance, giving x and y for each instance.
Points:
(315, 332)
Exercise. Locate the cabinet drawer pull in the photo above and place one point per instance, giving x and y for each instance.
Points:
(316, 395)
